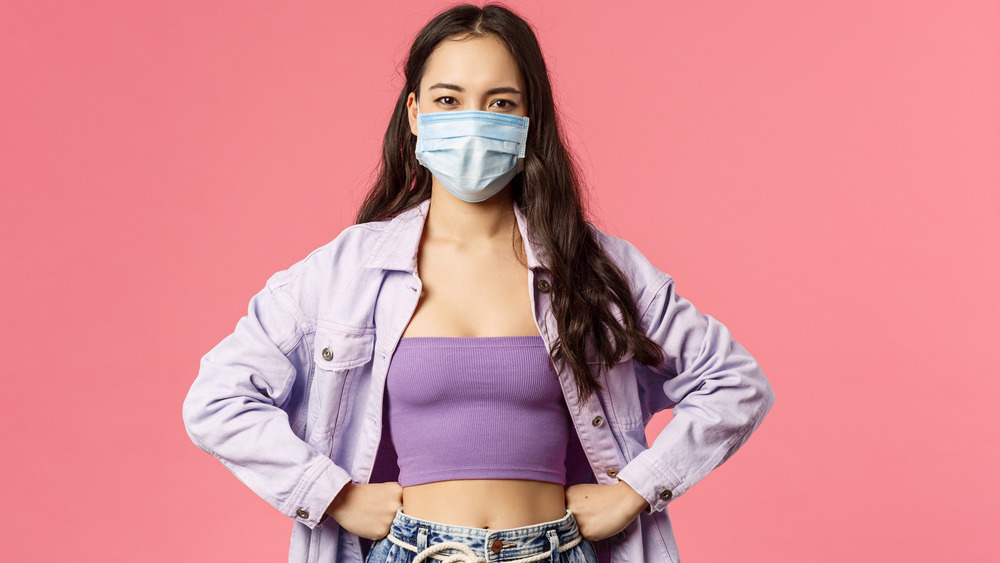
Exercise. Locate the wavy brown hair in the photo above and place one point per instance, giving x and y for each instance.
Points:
(588, 293)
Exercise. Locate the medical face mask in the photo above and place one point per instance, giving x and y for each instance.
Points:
(474, 154)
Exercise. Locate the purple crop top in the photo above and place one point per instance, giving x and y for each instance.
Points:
(476, 408)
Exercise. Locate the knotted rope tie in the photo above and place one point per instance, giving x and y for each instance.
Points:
(468, 555)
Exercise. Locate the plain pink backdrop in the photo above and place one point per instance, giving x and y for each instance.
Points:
(823, 177)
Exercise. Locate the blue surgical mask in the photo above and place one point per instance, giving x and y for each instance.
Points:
(474, 154)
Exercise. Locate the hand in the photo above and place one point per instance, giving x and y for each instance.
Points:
(603, 510)
(367, 510)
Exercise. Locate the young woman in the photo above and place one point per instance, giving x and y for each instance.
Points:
(467, 372)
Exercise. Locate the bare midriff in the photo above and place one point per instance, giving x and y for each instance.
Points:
(486, 503)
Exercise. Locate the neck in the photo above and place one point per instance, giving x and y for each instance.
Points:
(451, 218)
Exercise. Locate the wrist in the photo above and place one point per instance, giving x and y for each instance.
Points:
(632, 499)
(339, 500)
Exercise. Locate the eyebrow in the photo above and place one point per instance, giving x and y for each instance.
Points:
(490, 92)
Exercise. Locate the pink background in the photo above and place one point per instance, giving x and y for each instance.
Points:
(821, 176)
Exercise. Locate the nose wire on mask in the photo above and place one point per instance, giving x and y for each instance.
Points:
(473, 153)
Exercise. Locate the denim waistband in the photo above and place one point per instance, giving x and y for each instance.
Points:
(537, 542)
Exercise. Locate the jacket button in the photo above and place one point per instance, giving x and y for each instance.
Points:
(327, 354)
(302, 513)
(613, 472)
(496, 546)
(621, 535)
(544, 286)
(666, 494)
(598, 420)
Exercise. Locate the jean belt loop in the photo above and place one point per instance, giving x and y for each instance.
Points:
(422, 538)
(554, 556)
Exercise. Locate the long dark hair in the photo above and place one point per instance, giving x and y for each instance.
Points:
(588, 292)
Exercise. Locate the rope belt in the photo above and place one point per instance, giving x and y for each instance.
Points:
(467, 555)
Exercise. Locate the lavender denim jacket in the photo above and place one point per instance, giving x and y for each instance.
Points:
(291, 401)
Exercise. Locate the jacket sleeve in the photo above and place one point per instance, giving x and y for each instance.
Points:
(233, 410)
(718, 393)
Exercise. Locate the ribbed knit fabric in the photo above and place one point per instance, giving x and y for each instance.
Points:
(476, 408)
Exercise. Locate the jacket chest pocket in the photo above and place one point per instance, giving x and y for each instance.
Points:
(620, 396)
(338, 356)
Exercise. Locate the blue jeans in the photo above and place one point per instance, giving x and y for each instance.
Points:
(412, 540)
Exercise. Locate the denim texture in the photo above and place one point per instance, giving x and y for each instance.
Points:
(292, 401)
(516, 543)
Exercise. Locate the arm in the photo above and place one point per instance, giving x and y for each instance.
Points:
(233, 410)
(717, 390)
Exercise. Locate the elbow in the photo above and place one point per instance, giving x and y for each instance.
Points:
(756, 396)
(195, 414)
(765, 393)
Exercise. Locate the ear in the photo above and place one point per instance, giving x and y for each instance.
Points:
(411, 112)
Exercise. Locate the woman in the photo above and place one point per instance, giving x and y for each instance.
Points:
(400, 385)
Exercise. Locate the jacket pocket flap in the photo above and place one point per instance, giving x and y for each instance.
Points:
(338, 350)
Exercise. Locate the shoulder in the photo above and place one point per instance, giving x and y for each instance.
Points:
(334, 278)
(348, 252)
(633, 264)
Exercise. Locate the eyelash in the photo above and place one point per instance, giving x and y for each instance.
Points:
(510, 104)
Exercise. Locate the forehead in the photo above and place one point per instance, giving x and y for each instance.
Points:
(475, 63)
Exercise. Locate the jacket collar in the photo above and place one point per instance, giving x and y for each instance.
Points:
(397, 248)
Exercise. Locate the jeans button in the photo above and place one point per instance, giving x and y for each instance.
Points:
(496, 546)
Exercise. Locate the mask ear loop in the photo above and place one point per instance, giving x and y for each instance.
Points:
(417, 147)
(418, 119)
(418, 116)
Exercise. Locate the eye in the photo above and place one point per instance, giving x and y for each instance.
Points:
(503, 104)
(447, 100)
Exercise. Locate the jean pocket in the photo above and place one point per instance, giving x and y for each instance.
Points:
(582, 553)
(384, 551)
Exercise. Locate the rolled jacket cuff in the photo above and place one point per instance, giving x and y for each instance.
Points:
(652, 481)
(315, 493)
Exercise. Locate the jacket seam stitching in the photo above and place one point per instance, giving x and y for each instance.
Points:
(302, 485)
(659, 288)
(290, 344)
(660, 467)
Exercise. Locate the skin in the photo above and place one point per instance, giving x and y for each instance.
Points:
(468, 250)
